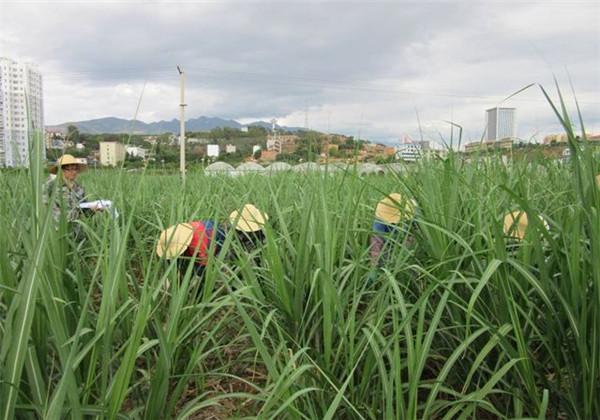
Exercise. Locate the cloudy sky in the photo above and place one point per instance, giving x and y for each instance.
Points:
(359, 68)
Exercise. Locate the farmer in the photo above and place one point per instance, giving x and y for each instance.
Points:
(197, 241)
(393, 215)
(516, 227)
(69, 194)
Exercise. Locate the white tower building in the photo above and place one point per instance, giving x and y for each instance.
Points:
(500, 124)
(21, 111)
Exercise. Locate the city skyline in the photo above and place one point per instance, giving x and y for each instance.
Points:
(378, 71)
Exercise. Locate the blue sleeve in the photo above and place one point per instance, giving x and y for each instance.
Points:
(220, 235)
(381, 227)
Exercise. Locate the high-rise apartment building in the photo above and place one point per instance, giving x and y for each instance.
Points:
(500, 124)
(21, 111)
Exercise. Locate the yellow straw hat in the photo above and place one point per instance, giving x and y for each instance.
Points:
(393, 208)
(250, 219)
(516, 222)
(67, 160)
(173, 241)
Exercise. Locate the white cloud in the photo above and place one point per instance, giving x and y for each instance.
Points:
(355, 67)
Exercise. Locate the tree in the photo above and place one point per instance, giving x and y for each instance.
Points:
(78, 153)
(308, 147)
(72, 133)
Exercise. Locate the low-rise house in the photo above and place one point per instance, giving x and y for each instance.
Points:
(212, 150)
(53, 138)
(480, 146)
(136, 152)
(151, 140)
(411, 152)
(194, 140)
(282, 143)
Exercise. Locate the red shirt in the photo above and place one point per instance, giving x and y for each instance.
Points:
(204, 233)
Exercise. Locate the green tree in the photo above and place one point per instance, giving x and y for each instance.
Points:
(72, 133)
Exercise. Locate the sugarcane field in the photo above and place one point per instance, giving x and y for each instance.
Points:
(468, 310)
(320, 210)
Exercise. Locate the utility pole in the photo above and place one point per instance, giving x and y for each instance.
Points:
(420, 128)
(181, 125)
(306, 118)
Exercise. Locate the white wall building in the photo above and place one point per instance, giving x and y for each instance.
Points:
(212, 150)
(500, 124)
(54, 139)
(193, 140)
(111, 153)
(136, 152)
(410, 152)
(274, 144)
(21, 111)
(230, 148)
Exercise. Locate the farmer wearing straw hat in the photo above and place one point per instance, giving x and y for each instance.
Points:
(516, 227)
(391, 213)
(69, 194)
(200, 239)
(248, 224)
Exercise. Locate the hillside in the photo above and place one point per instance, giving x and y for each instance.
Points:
(113, 125)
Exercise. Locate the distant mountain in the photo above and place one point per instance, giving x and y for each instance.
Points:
(268, 125)
(112, 125)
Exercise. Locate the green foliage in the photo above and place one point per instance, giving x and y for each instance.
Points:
(229, 134)
(454, 325)
(72, 133)
(352, 144)
(288, 157)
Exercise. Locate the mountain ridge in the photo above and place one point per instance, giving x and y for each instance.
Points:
(115, 125)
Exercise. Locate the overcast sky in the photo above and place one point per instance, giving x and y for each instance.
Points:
(359, 68)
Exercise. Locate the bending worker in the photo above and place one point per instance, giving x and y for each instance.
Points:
(517, 226)
(393, 215)
(196, 241)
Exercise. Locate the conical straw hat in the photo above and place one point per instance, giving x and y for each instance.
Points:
(173, 241)
(66, 160)
(250, 219)
(516, 223)
(393, 208)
